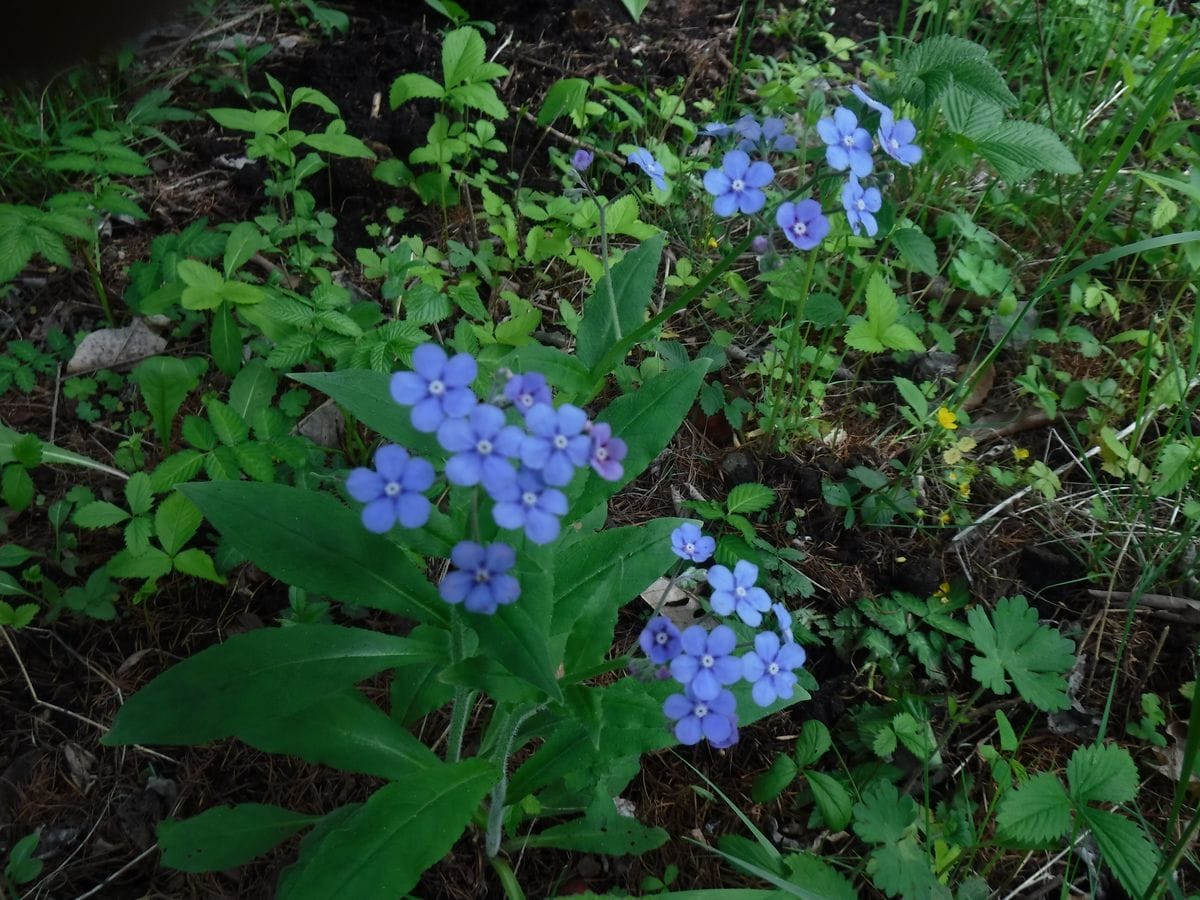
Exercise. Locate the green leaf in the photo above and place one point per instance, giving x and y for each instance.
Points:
(1015, 147)
(635, 8)
(16, 487)
(818, 877)
(175, 469)
(517, 642)
(775, 780)
(226, 836)
(1104, 774)
(198, 564)
(275, 671)
(412, 87)
(230, 428)
(902, 869)
(272, 525)
(749, 498)
(1174, 468)
(901, 337)
(263, 121)
(609, 317)
(1035, 812)
(149, 564)
(602, 830)
(1013, 644)
(244, 241)
(252, 390)
(164, 382)
(1124, 848)
(883, 816)
(99, 514)
(933, 65)
(568, 375)
(226, 341)
(916, 250)
(913, 397)
(812, 744)
(463, 51)
(832, 798)
(380, 849)
(138, 493)
(566, 96)
(480, 96)
(204, 284)
(175, 521)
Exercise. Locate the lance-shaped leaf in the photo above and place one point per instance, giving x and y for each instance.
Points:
(227, 836)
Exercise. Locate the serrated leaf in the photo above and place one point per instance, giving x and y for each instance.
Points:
(902, 869)
(883, 816)
(463, 51)
(901, 337)
(175, 522)
(99, 514)
(255, 460)
(197, 563)
(818, 877)
(1014, 147)
(935, 64)
(228, 426)
(1014, 646)
(1104, 774)
(1124, 848)
(1035, 812)
(916, 250)
(153, 563)
(139, 494)
(1164, 211)
(564, 97)
(16, 487)
(832, 799)
(749, 498)
(861, 336)
(1174, 468)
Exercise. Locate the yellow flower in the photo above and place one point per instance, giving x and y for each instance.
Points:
(947, 419)
(943, 590)
(1020, 453)
(964, 490)
(944, 518)
(712, 243)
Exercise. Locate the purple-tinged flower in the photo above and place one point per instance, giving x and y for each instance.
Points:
(717, 130)
(660, 640)
(769, 668)
(607, 452)
(642, 158)
(784, 619)
(802, 223)
(896, 139)
(691, 544)
(556, 445)
(437, 389)
(761, 244)
(392, 490)
(735, 592)
(861, 204)
(704, 663)
(581, 161)
(848, 146)
(738, 184)
(772, 135)
(714, 719)
(527, 391)
(480, 577)
(528, 503)
(482, 444)
(881, 108)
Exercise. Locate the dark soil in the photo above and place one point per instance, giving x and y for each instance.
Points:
(98, 807)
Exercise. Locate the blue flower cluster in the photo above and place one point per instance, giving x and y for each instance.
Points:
(519, 459)
(705, 662)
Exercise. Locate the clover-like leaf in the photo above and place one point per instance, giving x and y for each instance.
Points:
(1102, 775)
(1014, 646)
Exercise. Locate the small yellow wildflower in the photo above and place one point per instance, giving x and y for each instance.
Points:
(1020, 453)
(712, 243)
(943, 591)
(947, 419)
(964, 490)
(944, 518)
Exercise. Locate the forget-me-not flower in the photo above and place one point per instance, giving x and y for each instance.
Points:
(480, 579)
(556, 445)
(644, 160)
(847, 145)
(803, 223)
(529, 503)
(607, 452)
(704, 663)
(881, 108)
(582, 160)
(771, 135)
(690, 543)
(769, 668)
(392, 490)
(784, 619)
(861, 204)
(717, 130)
(735, 592)
(738, 184)
(527, 391)
(482, 445)
(660, 640)
(714, 719)
(437, 389)
(896, 139)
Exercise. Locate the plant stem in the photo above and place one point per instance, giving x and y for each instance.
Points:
(508, 878)
(463, 697)
(794, 339)
(495, 819)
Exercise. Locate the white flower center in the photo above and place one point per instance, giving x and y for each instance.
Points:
(560, 442)
(700, 710)
(848, 140)
(737, 185)
(392, 488)
(707, 661)
(526, 400)
(799, 229)
(482, 576)
(661, 638)
(437, 387)
(773, 669)
(484, 447)
(894, 144)
(602, 453)
(860, 204)
(689, 548)
(529, 498)
(740, 592)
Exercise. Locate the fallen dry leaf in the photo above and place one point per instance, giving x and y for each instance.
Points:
(112, 347)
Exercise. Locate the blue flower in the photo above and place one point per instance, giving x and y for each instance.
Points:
(896, 139)
(717, 129)
(437, 389)
(527, 391)
(392, 490)
(704, 663)
(607, 452)
(861, 204)
(771, 135)
(784, 620)
(769, 668)
(735, 592)
(848, 146)
(528, 503)
(660, 640)
(582, 160)
(881, 108)
(737, 184)
(556, 444)
(802, 223)
(690, 543)
(482, 444)
(480, 577)
(642, 158)
(714, 719)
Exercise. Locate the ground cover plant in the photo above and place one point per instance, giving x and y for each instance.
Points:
(643, 449)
